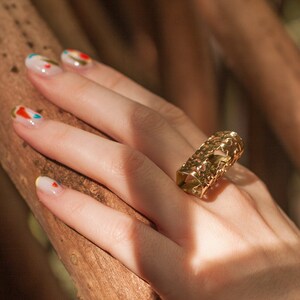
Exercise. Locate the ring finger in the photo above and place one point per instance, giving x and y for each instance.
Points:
(127, 172)
(119, 83)
(119, 117)
(146, 252)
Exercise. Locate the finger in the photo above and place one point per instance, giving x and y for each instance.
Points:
(257, 197)
(119, 117)
(109, 78)
(168, 162)
(143, 250)
(128, 173)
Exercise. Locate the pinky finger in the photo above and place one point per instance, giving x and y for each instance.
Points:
(139, 247)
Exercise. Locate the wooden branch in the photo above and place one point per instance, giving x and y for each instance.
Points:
(20, 251)
(96, 274)
(104, 36)
(60, 17)
(186, 63)
(265, 59)
(137, 16)
(264, 154)
(268, 159)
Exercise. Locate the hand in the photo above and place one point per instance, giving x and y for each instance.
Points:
(235, 244)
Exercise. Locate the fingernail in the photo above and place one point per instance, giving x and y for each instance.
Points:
(48, 185)
(42, 65)
(75, 58)
(26, 116)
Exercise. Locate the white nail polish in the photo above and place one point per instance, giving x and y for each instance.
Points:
(76, 59)
(48, 186)
(42, 65)
(26, 116)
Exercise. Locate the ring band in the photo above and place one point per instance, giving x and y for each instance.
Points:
(210, 162)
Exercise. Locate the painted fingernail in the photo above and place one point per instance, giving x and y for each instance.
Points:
(26, 116)
(48, 185)
(42, 65)
(75, 58)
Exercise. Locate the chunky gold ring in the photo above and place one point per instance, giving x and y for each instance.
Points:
(210, 162)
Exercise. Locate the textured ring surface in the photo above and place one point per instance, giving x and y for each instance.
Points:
(209, 162)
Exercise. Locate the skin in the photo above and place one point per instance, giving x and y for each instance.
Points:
(235, 243)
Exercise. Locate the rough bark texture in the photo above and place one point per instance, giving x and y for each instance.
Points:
(260, 52)
(95, 273)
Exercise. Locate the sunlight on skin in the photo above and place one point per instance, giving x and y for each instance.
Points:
(224, 242)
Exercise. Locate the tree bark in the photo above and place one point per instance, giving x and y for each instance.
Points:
(264, 58)
(96, 274)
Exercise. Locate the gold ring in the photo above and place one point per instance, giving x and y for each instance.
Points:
(210, 162)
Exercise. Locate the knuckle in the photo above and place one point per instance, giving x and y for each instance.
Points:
(264, 194)
(76, 208)
(248, 201)
(262, 187)
(81, 90)
(114, 80)
(124, 230)
(242, 197)
(210, 277)
(173, 114)
(58, 134)
(129, 162)
(145, 119)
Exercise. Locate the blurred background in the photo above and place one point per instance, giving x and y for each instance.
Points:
(169, 49)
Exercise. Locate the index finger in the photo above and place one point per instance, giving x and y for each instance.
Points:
(117, 82)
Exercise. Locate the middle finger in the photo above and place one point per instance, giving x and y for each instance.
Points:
(127, 172)
(133, 123)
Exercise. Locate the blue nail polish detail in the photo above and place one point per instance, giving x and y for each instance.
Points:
(32, 55)
(65, 51)
(37, 116)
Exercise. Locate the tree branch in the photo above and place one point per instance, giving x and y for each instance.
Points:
(265, 59)
(96, 274)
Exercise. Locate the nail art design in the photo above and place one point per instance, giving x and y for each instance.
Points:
(48, 185)
(26, 116)
(42, 65)
(76, 58)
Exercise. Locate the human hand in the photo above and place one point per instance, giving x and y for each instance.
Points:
(234, 244)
